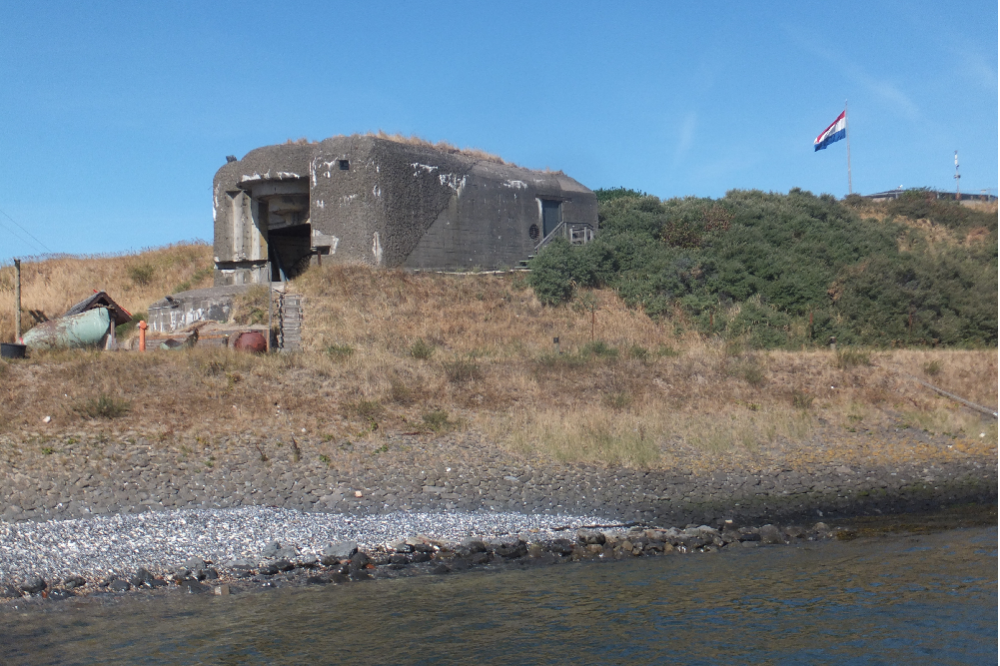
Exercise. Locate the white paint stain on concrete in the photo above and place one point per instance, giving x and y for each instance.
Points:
(376, 191)
(347, 198)
(377, 249)
(245, 178)
(283, 175)
(452, 181)
(320, 204)
(516, 184)
(417, 167)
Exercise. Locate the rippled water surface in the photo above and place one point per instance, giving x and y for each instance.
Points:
(889, 600)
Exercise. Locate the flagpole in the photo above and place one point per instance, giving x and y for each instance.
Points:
(847, 132)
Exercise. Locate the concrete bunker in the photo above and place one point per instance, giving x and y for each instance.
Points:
(388, 203)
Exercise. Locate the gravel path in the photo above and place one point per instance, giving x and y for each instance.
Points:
(120, 544)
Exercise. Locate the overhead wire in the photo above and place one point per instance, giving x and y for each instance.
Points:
(39, 245)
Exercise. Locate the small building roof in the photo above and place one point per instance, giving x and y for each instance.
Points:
(100, 299)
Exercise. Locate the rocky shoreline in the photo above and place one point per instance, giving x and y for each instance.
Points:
(97, 514)
(348, 561)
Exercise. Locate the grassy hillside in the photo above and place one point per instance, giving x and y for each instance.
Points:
(471, 358)
(773, 271)
(135, 281)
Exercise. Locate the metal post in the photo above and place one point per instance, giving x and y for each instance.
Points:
(17, 300)
(847, 133)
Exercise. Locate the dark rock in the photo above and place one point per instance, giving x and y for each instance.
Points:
(460, 564)
(417, 558)
(59, 595)
(423, 548)
(268, 570)
(561, 546)
(795, 532)
(771, 534)
(338, 578)
(274, 551)
(210, 574)
(359, 561)
(585, 536)
(473, 545)
(8, 592)
(339, 550)
(510, 551)
(157, 582)
(33, 585)
(749, 534)
(194, 587)
(398, 558)
(440, 569)
(283, 565)
(479, 558)
(141, 578)
(359, 574)
(194, 564)
(119, 585)
(317, 580)
(72, 582)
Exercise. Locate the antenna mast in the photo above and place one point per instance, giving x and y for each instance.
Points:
(958, 176)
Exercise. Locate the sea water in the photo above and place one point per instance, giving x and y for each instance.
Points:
(900, 599)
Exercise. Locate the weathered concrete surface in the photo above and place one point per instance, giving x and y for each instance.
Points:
(184, 308)
(383, 203)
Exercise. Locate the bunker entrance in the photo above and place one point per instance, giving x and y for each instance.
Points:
(290, 251)
(281, 214)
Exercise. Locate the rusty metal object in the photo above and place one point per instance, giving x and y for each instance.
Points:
(251, 341)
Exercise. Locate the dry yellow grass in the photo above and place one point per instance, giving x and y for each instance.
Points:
(392, 352)
(135, 281)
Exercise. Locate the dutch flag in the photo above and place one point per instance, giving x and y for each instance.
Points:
(835, 132)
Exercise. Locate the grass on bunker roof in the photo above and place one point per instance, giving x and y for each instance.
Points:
(472, 357)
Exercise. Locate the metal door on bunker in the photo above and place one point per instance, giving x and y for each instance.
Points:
(550, 216)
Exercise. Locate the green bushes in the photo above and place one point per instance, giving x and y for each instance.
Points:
(759, 267)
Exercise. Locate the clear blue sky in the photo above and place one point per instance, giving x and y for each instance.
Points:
(115, 116)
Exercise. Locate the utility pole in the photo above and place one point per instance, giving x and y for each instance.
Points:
(17, 300)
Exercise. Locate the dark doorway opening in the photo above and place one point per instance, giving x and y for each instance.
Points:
(290, 251)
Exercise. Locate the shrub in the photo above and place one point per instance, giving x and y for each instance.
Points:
(852, 358)
(141, 274)
(599, 349)
(761, 266)
(370, 410)
(618, 400)
(420, 350)
(438, 421)
(638, 353)
(933, 368)
(400, 393)
(103, 407)
(462, 370)
(801, 400)
(339, 352)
